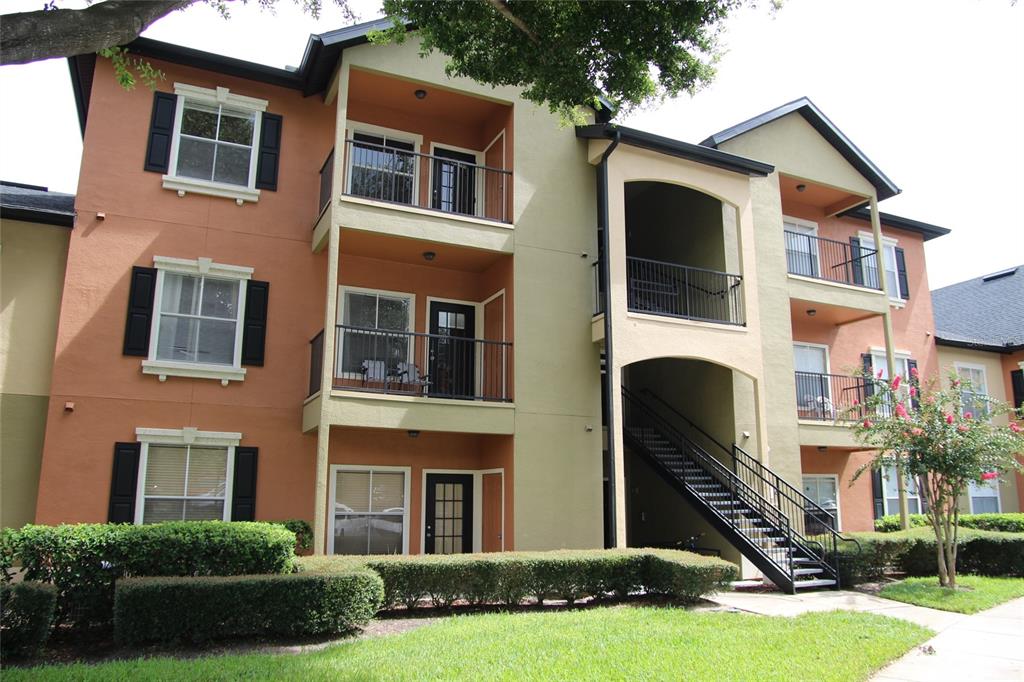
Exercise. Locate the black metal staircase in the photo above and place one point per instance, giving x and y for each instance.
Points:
(790, 538)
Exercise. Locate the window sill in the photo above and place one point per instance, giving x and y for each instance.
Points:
(214, 189)
(163, 369)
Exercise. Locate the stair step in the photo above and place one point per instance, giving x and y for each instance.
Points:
(817, 582)
(808, 571)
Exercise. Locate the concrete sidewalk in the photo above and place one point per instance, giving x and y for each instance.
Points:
(985, 647)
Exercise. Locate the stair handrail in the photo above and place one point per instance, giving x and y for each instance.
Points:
(735, 484)
(680, 415)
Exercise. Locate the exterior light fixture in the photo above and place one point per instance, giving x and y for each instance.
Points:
(801, 188)
(811, 312)
(429, 256)
(420, 94)
(413, 433)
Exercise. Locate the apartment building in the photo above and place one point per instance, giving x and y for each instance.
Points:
(34, 228)
(979, 332)
(425, 316)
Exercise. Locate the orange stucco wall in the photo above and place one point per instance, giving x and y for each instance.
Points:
(856, 511)
(110, 394)
(1011, 362)
(429, 450)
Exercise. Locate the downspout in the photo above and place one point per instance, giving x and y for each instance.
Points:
(605, 268)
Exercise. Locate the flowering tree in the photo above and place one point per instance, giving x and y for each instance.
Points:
(929, 434)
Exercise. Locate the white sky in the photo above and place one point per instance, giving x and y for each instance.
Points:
(932, 91)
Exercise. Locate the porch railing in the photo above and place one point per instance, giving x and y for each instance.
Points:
(598, 288)
(418, 364)
(830, 260)
(681, 291)
(326, 182)
(427, 181)
(829, 397)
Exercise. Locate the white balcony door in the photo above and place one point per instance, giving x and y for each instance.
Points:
(813, 393)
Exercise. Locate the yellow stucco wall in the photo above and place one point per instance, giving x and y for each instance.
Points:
(949, 358)
(32, 262)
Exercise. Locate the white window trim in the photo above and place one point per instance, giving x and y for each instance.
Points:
(188, 435)
(224, 97)
(828, 360)
(800, 222)
(402, 135)
(342, 290)
(478, 333)
(887, 242)
(478, 504)
(885, 499)
(957, 366)
(478, 178)
(992, 485)
(839, 514)
(332, 500)
(200, 267)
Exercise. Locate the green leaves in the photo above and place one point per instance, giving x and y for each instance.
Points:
(571, 53)
(126, 68)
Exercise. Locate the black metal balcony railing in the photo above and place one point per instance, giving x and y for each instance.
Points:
(316, 362)
(682, 291)
(829, 397)
(830, 260)
(391, 174)
(326, 182)
(598, 289)
(427, 365)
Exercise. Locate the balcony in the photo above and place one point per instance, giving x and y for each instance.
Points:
(830, 260)
(671, 290)
(826, 405)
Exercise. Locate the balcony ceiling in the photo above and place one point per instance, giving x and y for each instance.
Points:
(829, 199)
(825, 314)
(396, 249)
(372, 90)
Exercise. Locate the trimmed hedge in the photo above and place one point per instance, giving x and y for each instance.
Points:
(303, 533)
(913, 552)
(1003, 523)
(510, 577)
(84, 560)
(204, 608)
(26, 616)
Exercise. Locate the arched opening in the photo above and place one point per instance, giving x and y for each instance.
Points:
(681, 253)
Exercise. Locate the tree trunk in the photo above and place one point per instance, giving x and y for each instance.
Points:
(45, 34)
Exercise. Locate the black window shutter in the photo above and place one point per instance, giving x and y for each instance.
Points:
(856, 266)
(254, 333)
(911, 366)
(243, 492)
(1017, 381)
(876, 493)
(161, 132)
(901, 273)
(123, 483)
(869, 372)
(269, 152)
(140, 311)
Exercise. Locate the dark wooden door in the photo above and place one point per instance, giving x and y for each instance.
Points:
(452, 350)
(454, 181)
(449, 514)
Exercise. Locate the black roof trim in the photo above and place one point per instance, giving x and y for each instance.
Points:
(928, 230)
(813, 115)
(177, 54)
(955, 343)
(82, 68)
(35, 215)
(36, 204)
(684, 150)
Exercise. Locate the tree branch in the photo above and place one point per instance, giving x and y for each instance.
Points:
(501, 7)
(32, 36)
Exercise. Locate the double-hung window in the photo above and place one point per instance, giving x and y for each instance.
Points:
(370, 510)
(375, 332)
(823, 490)
(801, 247)
(892, 494)
(984, 497)
(215, 139)
(383, 166)
(974, 391)
(185, 475)
(892, 273)
(197, 321)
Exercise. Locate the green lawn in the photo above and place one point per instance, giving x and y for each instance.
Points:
(611, 643)
(984, 593)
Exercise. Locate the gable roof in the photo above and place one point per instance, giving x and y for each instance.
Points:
(35, 204)
(678, 148)
(927, 230)
(884, 187)
(984, 313)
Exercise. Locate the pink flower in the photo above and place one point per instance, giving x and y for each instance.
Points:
(917, 431)
(880, 373)
(989, 475)
(868, 424)
(1014, 427)
(913, 372)
(949, 419)
(962, 428)
(856, 402)
(913, 392)
(901, 411)
(968, 415)
(896, 382)
(930, 400)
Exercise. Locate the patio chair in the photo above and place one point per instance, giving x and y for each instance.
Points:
(374, 370)
(409, 375)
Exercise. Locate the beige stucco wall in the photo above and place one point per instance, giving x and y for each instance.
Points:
(949, 358)
(557, 412)
(32, 262)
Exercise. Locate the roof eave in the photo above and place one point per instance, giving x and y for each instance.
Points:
(37, 215)
(927, 230)
(973, 345)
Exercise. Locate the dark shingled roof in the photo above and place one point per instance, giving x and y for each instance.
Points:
(986, 313)
(36, 204)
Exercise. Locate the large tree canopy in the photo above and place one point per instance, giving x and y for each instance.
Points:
(564, 53)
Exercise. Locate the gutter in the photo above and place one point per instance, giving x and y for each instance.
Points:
(605, 268)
